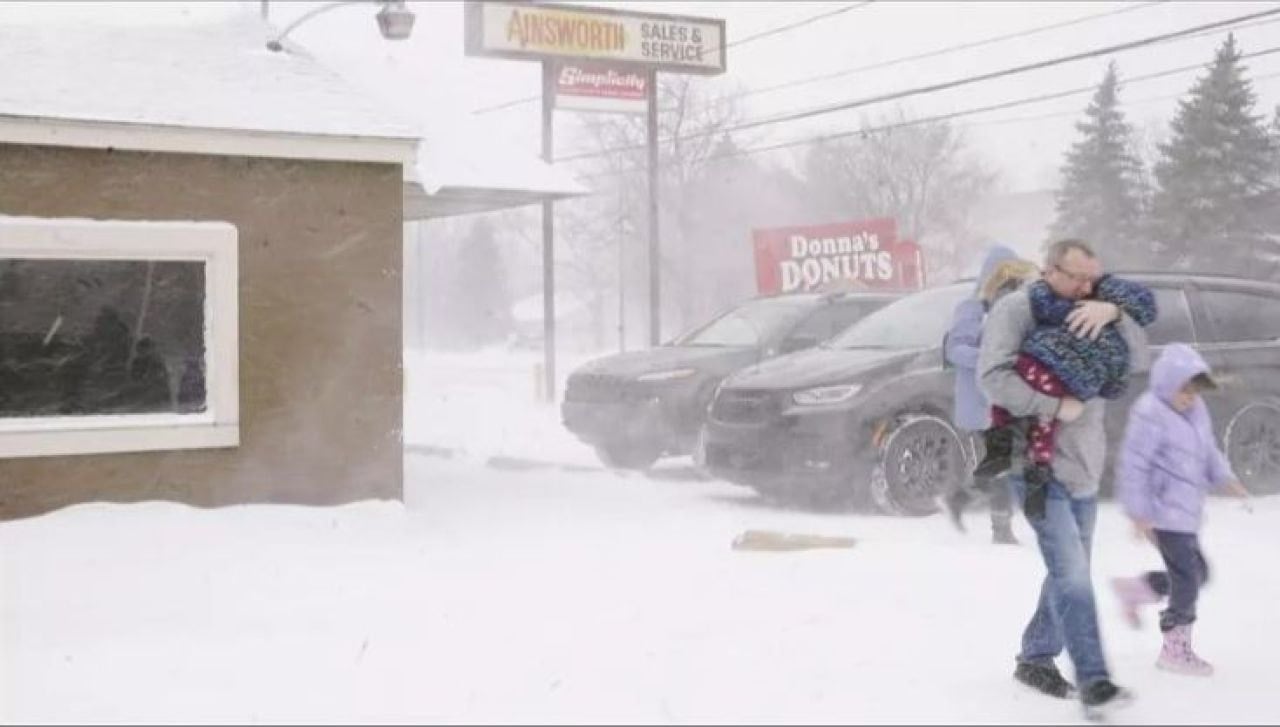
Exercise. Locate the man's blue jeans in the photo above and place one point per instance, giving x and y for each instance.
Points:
(1066, 614)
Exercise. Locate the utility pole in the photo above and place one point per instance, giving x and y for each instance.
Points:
(655, 292)
(548, 235)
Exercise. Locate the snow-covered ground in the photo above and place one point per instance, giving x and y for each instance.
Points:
(549, 595)
(482, 406)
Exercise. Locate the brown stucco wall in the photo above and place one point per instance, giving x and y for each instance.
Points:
(320, 310)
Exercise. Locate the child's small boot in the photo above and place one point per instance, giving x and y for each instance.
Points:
(1133, 593)
(1178, 656)
(998, 443)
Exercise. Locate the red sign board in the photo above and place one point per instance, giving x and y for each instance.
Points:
(599, 87)
(840, 256)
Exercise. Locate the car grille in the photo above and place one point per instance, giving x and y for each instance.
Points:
(728, 457)
(602, 388)
(744, 407)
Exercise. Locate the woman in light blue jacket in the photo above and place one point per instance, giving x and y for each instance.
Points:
(972, 412)
(1168, 463)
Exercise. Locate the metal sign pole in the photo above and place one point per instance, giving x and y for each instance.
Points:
(548, 237)
(675, 44)
(655, 300)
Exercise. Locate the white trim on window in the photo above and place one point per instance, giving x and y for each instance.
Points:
(215, 244)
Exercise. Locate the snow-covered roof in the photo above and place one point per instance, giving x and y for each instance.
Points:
(211, 74)
(198, 77)
(462, 171)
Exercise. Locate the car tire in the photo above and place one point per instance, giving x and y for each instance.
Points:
(627, 455)
(1251, 442)
(920, 460)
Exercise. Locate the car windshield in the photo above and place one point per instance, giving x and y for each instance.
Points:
(916, 321)
(749, 324)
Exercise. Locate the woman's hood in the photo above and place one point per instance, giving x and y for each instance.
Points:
(995, 256)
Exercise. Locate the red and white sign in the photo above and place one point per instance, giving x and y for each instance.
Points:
(598, 87)
(840, 256)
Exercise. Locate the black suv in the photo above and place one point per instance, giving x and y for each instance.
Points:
(635, 407)
(866, 417)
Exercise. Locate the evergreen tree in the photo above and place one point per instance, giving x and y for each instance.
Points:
(1101, 197)
(1270, 206)
(1215, 176)
(482, 291)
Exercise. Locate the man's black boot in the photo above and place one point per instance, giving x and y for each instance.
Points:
(1044, 678)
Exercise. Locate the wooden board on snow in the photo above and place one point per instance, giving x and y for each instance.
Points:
(773, 540)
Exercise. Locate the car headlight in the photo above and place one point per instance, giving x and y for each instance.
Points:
(826, 394)
(667, 375)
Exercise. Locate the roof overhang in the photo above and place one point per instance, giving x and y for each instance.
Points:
(459, 174)
(443, 176)
(85, 134)
(452, 201)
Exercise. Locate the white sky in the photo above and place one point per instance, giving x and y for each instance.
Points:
(430, 70)
(429, 74)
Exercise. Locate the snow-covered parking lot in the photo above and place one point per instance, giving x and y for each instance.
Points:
(506, 592)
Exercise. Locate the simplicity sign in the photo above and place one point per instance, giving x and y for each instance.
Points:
(520, 30)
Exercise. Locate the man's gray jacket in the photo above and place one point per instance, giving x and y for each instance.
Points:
(1080, 451)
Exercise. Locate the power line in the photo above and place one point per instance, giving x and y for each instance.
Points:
(741, 41)
(1243, 26)
(967, 112)
(940, 51)
(506, 105)
(1076, 112)
(946, 85)
(798, 24)
(887, 63)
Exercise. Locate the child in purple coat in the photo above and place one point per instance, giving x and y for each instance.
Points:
(1168, 464)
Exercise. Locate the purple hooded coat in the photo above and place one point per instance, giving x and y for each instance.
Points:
(972, 411)
(1169, 460)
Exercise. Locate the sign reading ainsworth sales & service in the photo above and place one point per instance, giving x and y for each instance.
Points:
(544, 31)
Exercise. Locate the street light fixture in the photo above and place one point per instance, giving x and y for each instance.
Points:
(395, 21)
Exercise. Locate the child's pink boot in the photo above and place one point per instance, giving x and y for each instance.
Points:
(1178, 656)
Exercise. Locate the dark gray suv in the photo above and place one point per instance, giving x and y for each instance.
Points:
(866, 417)
(637, 406)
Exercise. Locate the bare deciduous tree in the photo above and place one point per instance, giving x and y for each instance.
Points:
(691, 128)
(920, 174)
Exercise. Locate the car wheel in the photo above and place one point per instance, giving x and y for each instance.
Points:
(920, 460)
(1252, 445)
(627, 455)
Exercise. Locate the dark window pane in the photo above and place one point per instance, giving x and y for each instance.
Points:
(817, 327)
(81, 337)
(1173, 324)
(919, 320)
(829, 320)
(1239, 316)
(847, 314)
(747, 325)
